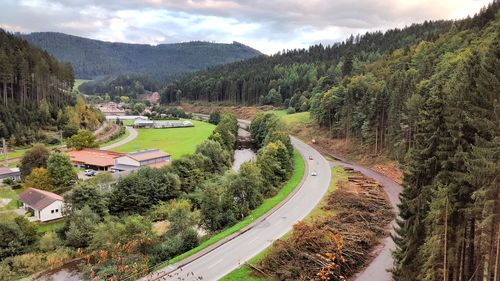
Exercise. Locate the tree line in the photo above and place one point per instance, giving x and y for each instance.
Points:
(288, 77)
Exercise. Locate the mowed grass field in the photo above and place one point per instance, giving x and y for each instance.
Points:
(175, 141)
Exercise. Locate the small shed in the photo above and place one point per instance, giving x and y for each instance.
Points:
(13, 173)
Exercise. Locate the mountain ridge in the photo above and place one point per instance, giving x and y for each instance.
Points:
(92, 58)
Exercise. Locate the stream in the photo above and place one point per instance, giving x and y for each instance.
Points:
(68, 272)
(241, 156)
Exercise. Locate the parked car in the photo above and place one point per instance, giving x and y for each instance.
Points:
(90, 173)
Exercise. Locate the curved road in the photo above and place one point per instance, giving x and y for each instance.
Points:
(225, 256)
(133, 135)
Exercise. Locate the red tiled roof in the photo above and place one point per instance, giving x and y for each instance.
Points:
(38, 199)
(94, 157)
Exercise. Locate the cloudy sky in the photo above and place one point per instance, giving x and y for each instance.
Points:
(267, 25)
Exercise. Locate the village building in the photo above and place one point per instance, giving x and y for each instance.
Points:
(152, 158)
(12, 173)
(94, 158)
(111, 108)
(153, 98)
(125, 117)
(43, 205)
(139, 123)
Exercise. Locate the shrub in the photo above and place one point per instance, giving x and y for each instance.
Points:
(8, 181)
(28, 263)
(6, 274)
(290, 110)
(49, 241)
(58, 257)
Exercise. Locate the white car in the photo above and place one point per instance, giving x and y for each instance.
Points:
(90, 173)
(314, 174)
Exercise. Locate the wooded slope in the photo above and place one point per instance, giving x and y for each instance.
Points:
(94, 58)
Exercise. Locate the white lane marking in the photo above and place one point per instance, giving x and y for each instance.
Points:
(214, 264)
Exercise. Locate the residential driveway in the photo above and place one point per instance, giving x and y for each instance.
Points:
(131, 136)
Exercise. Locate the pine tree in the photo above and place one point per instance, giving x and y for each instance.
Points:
(423, 164)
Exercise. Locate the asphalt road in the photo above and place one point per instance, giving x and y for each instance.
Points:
(215, 262)
(133, 135)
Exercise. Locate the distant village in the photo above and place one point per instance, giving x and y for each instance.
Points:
(47, 206)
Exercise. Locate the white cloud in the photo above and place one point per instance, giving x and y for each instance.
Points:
(268, 25)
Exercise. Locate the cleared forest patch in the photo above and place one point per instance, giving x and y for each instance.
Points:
(241, 112)
(334, 243)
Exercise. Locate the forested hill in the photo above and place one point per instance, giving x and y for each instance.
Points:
(93, 58)
(297, 72)
(428, 96)
(33, 88)
(36, 98)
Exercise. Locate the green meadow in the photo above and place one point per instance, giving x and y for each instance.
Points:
(175, 141)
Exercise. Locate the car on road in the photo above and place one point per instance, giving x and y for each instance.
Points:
(310, 158)
(90, 173)
(314, 173)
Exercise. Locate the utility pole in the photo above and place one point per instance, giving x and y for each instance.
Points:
(4, 151)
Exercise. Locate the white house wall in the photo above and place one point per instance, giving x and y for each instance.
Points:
(47, 215)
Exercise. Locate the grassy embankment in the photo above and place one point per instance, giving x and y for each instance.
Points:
(176, 141)
(245, 272)
(268, 204)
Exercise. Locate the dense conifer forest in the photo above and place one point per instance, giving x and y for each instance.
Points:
(123, 85)
(34, 87)
(427, 95)
(93, 58)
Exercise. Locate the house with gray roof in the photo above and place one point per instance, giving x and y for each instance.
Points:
(43, 205)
